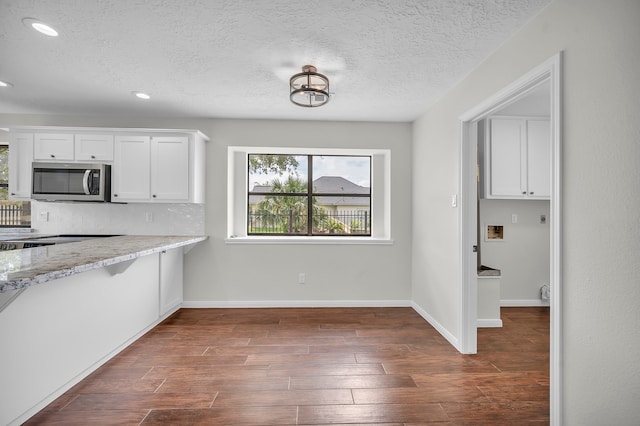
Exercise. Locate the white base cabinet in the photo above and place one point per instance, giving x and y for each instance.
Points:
(517, 155)
(171, 284)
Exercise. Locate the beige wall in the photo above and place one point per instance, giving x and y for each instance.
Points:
(601, 225)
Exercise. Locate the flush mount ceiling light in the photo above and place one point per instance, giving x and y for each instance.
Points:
(40, 26)
(140, 95)
(309, 88)
(5, 84)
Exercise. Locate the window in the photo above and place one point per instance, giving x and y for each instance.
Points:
(310, 195)
(375, 201)
(13, 214)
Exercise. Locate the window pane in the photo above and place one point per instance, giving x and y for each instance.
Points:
(277, 214)
(341, 174)
(278, 173)
(341, 215)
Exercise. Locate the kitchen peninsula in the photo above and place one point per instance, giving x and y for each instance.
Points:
(67, 309)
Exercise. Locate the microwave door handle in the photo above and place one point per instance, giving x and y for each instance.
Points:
(85, 182)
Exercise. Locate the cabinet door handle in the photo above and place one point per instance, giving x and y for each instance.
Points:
(154, 195)
(93, 157)
(531, 193)
(115, 195)
(53, 156)
(524, 192)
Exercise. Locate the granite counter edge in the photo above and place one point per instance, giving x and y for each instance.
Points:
(22, 283)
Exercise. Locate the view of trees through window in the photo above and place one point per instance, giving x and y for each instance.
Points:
(282, 202)
(12, 213)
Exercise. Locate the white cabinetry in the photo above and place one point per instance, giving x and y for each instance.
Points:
(170, 168)
(20, 158)
(131, 169)
(518, 159)
(53, 146)
(159, 168)
(171, 264)
(148, 165)
(96, 147)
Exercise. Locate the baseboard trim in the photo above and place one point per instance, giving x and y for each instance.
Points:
(439, 328)
(513, 303)
(296, 304)
(489, 323)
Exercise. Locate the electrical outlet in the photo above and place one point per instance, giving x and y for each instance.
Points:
(148, 216)
(44, 216)
(514, 218)
(301, 278)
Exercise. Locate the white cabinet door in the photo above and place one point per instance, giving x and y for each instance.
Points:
(93, 147)
(171, 265)
(519, 159)
(538, 159)
(20, 159)
(505, 156)
(131, 169)
(170, 168)
(53, 146)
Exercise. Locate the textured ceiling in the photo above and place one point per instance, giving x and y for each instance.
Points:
(387, 60)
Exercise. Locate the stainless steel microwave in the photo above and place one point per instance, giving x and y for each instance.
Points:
(71, 182)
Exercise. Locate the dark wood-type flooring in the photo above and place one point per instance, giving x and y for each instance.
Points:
(313, 367)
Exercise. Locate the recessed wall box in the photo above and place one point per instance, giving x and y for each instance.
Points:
(494, 233)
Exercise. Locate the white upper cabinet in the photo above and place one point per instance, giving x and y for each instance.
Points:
(53, 146)
(518, 159)
(539, 158)
(96, 147)
(159, 168)
(170, 168)
(20, 159)
(131, 169)
(147, 165)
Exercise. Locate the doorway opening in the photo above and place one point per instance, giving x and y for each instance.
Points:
(547, 73)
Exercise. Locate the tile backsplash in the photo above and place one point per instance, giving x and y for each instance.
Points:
(115, 218)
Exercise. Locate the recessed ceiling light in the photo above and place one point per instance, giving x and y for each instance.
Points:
(40, 26)
(141, 95)
(5, 84)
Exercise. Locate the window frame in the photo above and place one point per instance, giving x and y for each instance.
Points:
(237, 196)
(25, 205)
(310, 195)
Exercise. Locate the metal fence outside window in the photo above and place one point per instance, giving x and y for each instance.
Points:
(15, 214)
(294, 223)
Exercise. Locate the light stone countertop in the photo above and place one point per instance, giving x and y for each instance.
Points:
(22, 268)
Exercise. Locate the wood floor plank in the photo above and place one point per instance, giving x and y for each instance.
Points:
(139, 401)
(284, 397)
(254, 416)
(248, 385)
(376, 413)
(416, 395)
(316, 366)
(352, 382)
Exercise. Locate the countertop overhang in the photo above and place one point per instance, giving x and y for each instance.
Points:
(22, 268)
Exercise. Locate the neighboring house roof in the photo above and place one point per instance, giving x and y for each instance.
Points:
(326, 185)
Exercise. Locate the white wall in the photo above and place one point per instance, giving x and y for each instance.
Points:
(220, 274)
(601, 229)
(523, 254)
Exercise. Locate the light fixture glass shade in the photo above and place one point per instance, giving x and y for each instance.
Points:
(309, 88)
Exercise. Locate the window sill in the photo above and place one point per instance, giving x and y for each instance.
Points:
(309, 240)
